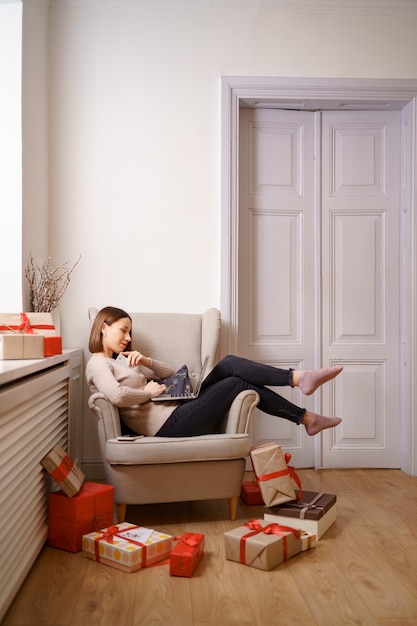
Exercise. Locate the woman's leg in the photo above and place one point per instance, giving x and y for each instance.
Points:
(259, 374)
(202, 416)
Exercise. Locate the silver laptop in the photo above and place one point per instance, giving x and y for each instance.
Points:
(185, 396)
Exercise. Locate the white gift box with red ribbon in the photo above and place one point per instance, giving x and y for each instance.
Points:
(27, 324)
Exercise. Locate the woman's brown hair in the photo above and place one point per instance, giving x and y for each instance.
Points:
(108, 315)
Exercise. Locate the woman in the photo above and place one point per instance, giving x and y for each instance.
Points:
(131, 388)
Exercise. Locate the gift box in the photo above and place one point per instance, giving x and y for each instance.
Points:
(314, 513)
(71, 518)
(262, 545)
(127, 547)
(63, 470)
(186, 555)
(21, 346)
(251, 493)
(27, 323)
(308, 540)
(52, 345)
(277, 480)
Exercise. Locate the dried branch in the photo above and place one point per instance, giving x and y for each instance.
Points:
(47, 284)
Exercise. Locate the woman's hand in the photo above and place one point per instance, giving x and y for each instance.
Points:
(135, 358)
(155, 389)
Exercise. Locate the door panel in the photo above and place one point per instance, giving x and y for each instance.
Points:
(276, 256)
(360, 251)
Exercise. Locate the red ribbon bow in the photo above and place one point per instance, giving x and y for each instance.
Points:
(270, 529)
(108, 535)
(63, 469)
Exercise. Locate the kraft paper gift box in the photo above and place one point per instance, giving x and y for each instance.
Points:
(127, 547)
(276, 479)
(63, 470)
(186, 555)
(251, 493)
(27, 323)
(17, 346)
(308, 540)
(262, 545)
(90, 509)
(314, 513)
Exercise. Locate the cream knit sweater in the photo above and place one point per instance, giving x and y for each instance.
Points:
(124, 387)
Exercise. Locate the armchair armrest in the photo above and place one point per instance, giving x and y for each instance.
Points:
(240, 413)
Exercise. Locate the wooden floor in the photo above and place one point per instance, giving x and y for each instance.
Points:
(363, 570)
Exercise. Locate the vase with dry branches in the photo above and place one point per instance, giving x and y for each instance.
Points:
(47, 283)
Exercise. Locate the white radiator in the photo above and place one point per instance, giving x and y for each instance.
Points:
(33, 418)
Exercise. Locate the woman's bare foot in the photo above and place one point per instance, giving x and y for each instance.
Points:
(309, 380)
(315, 423)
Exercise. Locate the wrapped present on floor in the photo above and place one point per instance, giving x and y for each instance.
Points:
(63, 470)
(262, 545)
(186, 555)
(251, 493)
(314, 513)
(277, 480)
(90, 509)
(27, 324)
(308, 540)
(127, 547)
(17, 346)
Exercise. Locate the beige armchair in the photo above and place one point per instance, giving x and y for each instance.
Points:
(163, 469)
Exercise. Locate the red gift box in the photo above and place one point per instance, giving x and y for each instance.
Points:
(71, 518)
(186, 555)
(52, 345)
(251, 493)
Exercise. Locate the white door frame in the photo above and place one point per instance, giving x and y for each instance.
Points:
(311, 93)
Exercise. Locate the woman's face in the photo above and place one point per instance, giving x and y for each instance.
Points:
(116, 336)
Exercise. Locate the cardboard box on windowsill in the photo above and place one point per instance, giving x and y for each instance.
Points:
(17, 346)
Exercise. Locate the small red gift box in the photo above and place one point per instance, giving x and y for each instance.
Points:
(186, 555)
(71, 518)
(52, 345)
(251, 492)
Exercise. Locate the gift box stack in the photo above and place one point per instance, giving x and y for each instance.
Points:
(282, 493)
(79, 507)
(28, 336)
(295, 519)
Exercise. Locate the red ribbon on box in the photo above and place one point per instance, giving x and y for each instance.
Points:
(290, 470)
(25, 326)
(113, 531)
(63, 469)
(270, 529)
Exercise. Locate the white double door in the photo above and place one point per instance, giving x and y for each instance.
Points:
(318, 274)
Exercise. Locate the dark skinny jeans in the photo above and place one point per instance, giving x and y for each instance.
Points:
(228, 378)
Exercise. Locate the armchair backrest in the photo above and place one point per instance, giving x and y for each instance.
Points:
(176, 338)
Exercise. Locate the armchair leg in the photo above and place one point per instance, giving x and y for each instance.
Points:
(233, 502)
(121, 513)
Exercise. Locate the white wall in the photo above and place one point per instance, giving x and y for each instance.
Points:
(10, 156)
(135, 133)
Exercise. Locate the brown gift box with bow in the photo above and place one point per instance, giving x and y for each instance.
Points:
(277, 480)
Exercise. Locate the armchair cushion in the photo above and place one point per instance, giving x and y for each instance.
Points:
(154, 450)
